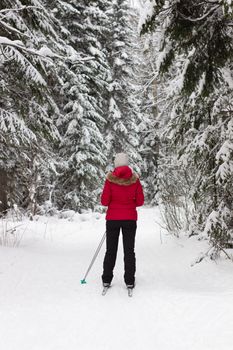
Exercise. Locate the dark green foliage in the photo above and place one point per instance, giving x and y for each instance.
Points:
(121, 129)
(27, 107)
(197, 50)
(66, 98)
(198, 26)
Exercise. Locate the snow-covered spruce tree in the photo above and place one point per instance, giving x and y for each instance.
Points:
(196, 51)
(82, 148)
(123, 116)
(28, 43)
(146, 90)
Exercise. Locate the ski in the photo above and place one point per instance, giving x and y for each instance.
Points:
(105, 289)
(130, 292)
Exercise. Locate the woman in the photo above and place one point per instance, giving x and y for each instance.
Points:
(122, 193)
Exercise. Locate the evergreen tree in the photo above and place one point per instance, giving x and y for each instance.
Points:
(123, 115)
(29, 42)
(147, 94)
(196, 50)
(67, 101)
(82, 148)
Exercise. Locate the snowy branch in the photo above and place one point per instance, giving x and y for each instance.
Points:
(10, 28)
(199, 18)
(19, 9)
(44, 52)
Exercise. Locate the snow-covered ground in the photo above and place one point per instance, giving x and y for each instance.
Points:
(43, 306)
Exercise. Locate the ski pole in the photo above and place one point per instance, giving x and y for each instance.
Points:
(83, 281)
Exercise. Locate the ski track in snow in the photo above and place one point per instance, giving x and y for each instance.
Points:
(43, 306)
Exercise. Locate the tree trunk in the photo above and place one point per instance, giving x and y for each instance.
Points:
(3, 191)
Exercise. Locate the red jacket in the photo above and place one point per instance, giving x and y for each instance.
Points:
(122, 193)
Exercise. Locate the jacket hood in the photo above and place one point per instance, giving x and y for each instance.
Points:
(123, 172)
(122, 175)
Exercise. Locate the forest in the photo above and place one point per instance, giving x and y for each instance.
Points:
(83, 81)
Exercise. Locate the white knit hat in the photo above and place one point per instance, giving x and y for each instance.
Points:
(121, 159)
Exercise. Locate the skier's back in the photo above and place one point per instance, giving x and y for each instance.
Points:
(122, 193)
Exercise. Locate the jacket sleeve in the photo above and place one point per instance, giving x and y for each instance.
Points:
(106, 194)
(139, 195)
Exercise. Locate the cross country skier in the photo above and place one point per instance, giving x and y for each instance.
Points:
(122, 193)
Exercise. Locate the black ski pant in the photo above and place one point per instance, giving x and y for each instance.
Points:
(128, 228)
